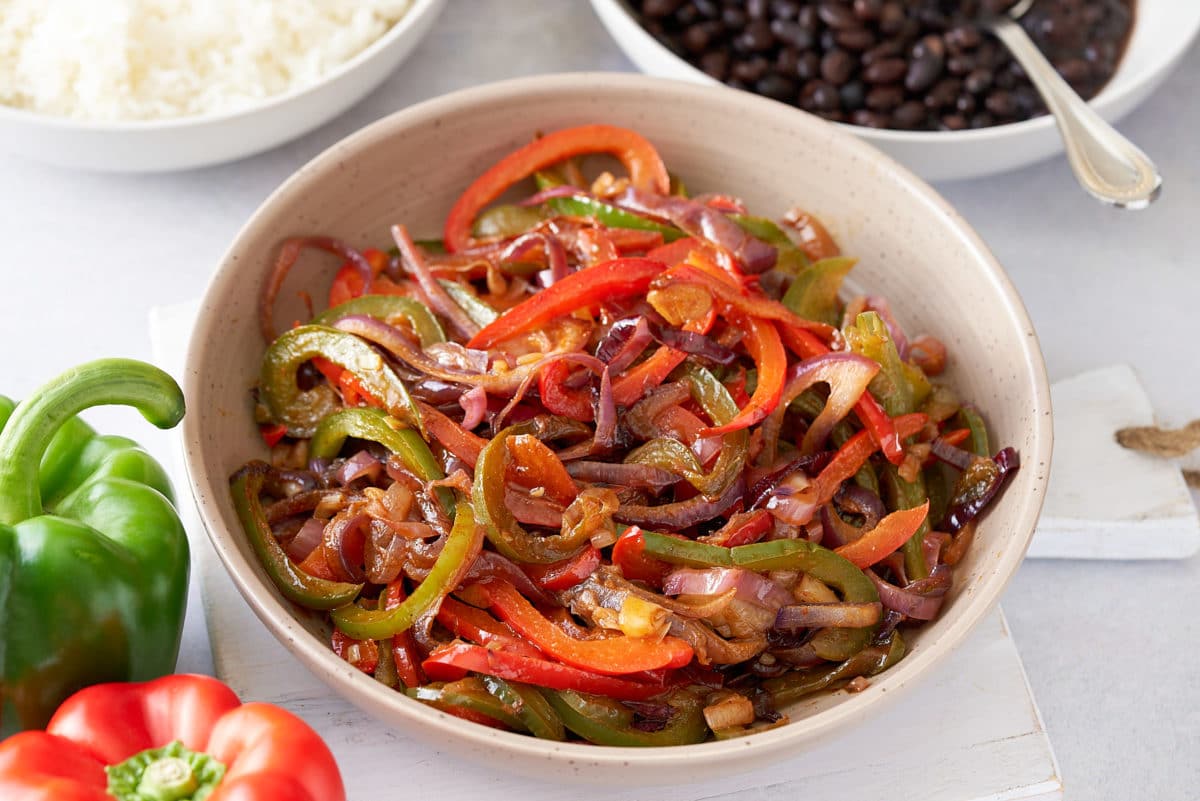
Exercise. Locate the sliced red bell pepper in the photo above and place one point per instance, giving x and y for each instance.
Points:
(348, 283)
(867, 409)
(770, 361)
(629, 554)
(675, 252)
(611, 656)
(347, 384)
(646, 171)
(634, 383)
(744, 528)
(477, 626)
(588, 287)
(451, 662)
(956, 436)
(317, 565)
(560, 399)
(631, 240)
(272, 434)
(175, 737)
(453, 437)
(534, 464)
(363, 654)
(404, 648)
(567, 573)
(888, 535)
(748, 301)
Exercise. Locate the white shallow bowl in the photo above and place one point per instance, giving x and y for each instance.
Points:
(410, 166)
(186, 142)
(1163, 29)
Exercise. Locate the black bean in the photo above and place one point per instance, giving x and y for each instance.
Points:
(954, 122)
(892, 18)
(819, 95)
(698, 37)
(856, 39)
(870, 119)
(786, 62)
(837, 66)
(888, 70)
(750, 70)
(1001, 103)
(887, 49)
(910, 114)
(776, 86)
(785, 9)
(868, 10)
(982, 120)
(978, 81)
(1027, 99)
(757, 36)
(965, 103)
(885, 98)
(943, 94)
(715, 63)
(963, 37)
(854, 95)
(733, 17)
(925, 66)
(708, 8)
(836, 15)
(960, 64)
(1074, 71)
(809, 66)
(660, 8)
(792, 33)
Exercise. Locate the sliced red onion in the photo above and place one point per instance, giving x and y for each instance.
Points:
(764, 483)
(681, 514)
(691, 342)
(556, 254)
(492, 565)
(360, 464)
(288, 254)
(626, 340)
(533, 511)
(306, 539)
(384, 555)
(590, 362)
(703, 222)
(861, 501)
(345, 537)
(748, 585)
(931, 547)
(847, 375)
(439, 300)
(929, 353)
(642, 416)
(562, 190)
(623, 475)
(906, 601)
(959, 514)
(606, 414)
(844, 615)
(454, 356)
(475, 404)
(836, 532)
(951, 454)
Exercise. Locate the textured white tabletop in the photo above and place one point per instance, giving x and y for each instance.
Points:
(1110, 648)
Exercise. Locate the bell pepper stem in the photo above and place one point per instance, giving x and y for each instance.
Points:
(170, 773)
(123, 382)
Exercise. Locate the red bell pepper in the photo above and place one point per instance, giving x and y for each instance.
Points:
(629, 554)
(453, 437)
(646, 171)
(563, 575)
(534, 464)
(614, 656)
(452, 662)
(272, 434)
(868, 410)
(630, 386)
(888, 535)
(363, 654)
(770, 361)
(558, 398)
(675, 252)
(744, 528)
(404, 648)
(348, 283)
(168, 739)
(477, 626)
(579, 290)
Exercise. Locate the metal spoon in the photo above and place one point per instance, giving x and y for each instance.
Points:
(1107, 165)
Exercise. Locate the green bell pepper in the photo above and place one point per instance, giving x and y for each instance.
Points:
(377, 425)
(899, 387)
(297, 586)
(814, 293)
(609, 215)
(534, 711)
(469, 693)
(791, 259)
(871, 660)
(479, 312)
(604, 721)
(93, 557)
(977, 443)
(388, 308)
(302, 410)
(901, 494)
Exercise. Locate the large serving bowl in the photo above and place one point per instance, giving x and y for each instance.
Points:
(197, 141)
(1162, 31)
(410, 166)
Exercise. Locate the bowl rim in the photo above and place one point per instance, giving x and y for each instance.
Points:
(1107, 100)
(417, 10)
(368, 694)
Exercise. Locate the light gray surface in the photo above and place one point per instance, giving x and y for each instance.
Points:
(1110, 648)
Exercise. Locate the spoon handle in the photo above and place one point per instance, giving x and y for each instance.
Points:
(1107, 165)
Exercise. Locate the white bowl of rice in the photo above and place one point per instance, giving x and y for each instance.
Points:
(157, 85)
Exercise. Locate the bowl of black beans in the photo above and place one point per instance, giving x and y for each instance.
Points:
(921, 79)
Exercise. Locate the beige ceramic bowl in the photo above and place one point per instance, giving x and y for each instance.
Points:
(409, 167)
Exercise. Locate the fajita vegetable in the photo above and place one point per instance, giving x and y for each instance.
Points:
(93, 558)
(177, 738)
(609, 462)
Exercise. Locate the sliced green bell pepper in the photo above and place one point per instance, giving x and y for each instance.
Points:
(469, 693)
(246, 487)
(479, 312)
(534, 711)
(377, 425)
(814, 293)
(899, 387)
(791, 259)
(901, 494)
(870, 661)
(302, 410)
(977, 443)
(376, 624)
(606, 214)
(93, 557)
(388, 308)
(506, 220)
(604, 721)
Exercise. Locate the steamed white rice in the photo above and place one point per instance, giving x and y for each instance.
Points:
(154, 59)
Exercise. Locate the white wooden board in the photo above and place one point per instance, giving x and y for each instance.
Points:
(970, 732)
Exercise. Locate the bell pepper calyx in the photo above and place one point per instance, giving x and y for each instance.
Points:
(173, 772)
(34, 423)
